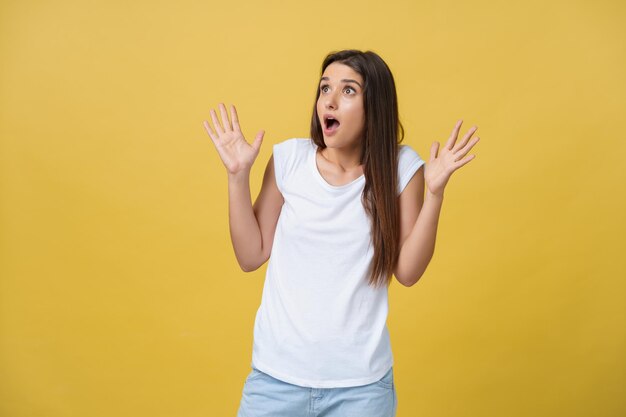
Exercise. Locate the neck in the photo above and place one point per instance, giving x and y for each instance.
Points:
(345, 158)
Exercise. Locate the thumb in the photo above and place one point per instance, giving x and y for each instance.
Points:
(258, 140)
(433, 151)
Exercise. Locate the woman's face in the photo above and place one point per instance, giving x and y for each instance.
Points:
(341, 99)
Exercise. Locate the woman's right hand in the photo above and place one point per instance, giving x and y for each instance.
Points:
(236, 153)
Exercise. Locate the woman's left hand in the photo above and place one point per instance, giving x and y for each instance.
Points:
(440, 167)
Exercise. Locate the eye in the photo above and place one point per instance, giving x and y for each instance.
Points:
(350, 88)
(323, 87)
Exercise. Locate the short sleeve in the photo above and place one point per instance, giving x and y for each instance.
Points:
(409, 162)
(283, 153)
(278, 155)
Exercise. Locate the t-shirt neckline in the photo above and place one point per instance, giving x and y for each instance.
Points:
(318, 174)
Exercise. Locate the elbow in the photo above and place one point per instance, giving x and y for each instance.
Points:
(254, 265)
(408, 275)
(249, 267)
(408, 280)
(246, 268)
(246, 265)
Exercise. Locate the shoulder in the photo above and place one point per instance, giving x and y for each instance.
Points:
(288, 155)
(293, 143)
(409, 162)
(292, 149)
(407, 153)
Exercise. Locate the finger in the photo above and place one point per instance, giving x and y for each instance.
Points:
(225, 121)
(454, 135)
(467, 137)
(433, 151)
(208, 129)
(464, 161)
(258, 140)
(234, 118)
(216, 123)
(463, 151)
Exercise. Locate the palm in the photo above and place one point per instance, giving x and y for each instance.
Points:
(236, 153)
(441, 166)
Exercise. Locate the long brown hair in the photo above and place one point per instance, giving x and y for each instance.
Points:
(379, 155)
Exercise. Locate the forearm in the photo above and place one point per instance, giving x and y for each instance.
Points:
(419, 246)
(245, 233)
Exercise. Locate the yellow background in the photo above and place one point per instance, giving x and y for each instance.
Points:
(120, 294)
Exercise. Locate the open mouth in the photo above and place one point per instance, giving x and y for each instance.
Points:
(331, 123)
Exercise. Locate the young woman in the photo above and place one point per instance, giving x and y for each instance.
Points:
(338, 214)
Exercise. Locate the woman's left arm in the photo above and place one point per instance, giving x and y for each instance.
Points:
(418, 240)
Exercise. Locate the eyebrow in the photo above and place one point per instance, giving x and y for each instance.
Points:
(345, 80)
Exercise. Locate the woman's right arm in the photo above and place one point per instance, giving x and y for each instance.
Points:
(251, 228)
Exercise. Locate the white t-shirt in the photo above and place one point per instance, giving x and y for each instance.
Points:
(320, 324)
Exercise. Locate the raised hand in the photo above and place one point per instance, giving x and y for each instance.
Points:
(236, 153)
(440, 167)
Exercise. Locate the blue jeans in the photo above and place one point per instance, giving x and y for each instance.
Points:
(265, 396)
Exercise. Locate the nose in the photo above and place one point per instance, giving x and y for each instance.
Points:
(330, 101)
